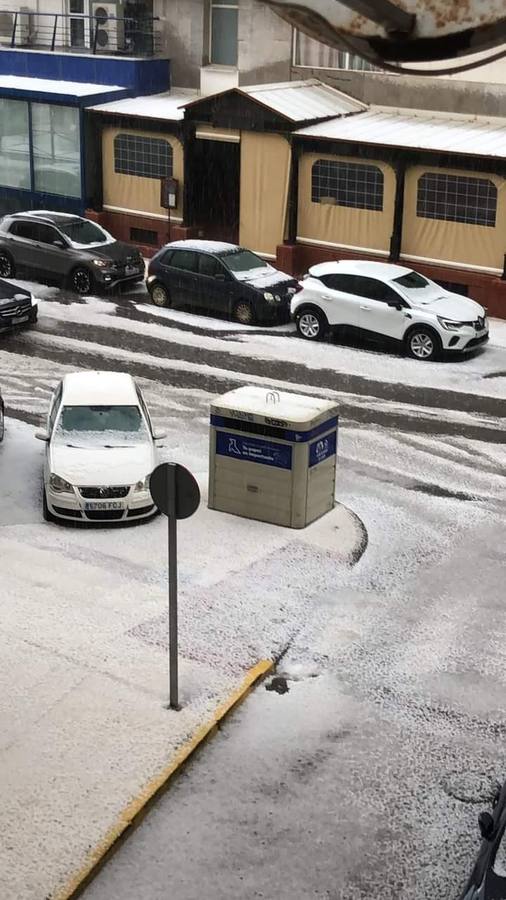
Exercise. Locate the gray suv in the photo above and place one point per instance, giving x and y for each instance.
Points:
(74, 251)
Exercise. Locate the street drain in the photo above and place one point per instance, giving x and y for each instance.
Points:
(278, 684)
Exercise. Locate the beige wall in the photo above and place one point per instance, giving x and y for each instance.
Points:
(132, 193)
(476, 246)
(265, 173)
(342, 226)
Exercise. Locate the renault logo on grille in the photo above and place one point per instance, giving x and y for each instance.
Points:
(102, 492)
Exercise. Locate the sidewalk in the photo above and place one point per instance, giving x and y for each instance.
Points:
(83, 662)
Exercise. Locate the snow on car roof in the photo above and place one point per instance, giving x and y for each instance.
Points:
(99, 388)
(205, 246)
(365, 267)
(55, 216)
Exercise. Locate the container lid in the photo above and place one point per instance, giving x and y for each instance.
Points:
(274, 407)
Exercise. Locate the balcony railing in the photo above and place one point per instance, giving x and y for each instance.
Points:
(77, 33)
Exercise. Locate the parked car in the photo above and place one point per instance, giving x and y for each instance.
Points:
(488, 878)
(18, 307)
(68, 249)
(2, 418)
(390, 302)
(221, 278)
(100, 450)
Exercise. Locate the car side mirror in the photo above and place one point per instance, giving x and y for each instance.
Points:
(159, 435)
(42, 435)
(59, 244)
(395, 304)
(220, 276)
(486, 825)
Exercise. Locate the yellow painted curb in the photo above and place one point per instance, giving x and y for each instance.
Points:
(134, 812)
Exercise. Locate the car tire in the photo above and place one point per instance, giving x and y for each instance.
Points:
(244, 313)
(7, 267)
(159, 295)
(312, 324)
(2, 424)
(47, 515)
(81, 281)
(423, 343)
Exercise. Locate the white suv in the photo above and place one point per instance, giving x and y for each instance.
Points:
(390, 302)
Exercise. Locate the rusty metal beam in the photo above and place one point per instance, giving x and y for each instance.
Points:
(385, 13)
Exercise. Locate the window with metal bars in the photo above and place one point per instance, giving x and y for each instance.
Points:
(457, 198)
(142, 156)
(351, 184)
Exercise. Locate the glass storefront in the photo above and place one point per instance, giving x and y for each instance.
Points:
(54, 142)
(56, 149)
(14, 144)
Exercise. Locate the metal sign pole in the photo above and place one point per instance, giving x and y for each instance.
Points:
(172, 561)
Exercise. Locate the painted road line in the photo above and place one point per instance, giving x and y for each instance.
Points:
(135, 811)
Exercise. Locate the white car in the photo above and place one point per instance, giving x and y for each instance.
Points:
(100, 450)
(390, 302)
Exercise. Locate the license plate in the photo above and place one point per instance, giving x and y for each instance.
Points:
(111, 504)
(20, 319)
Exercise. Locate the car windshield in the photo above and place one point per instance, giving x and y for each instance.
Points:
(412, 281)
(80, 231)
(242, 261)
(419, 290)
(108, 426)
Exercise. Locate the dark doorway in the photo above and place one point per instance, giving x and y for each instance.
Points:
(215, 186)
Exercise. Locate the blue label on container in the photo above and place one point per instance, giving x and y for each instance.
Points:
(323, 448)
(251, 449)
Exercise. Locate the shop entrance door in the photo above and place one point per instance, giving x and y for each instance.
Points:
(215, 189)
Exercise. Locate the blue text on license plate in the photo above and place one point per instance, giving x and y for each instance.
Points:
(109, 505)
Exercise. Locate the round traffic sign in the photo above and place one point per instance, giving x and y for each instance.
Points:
(174, 490)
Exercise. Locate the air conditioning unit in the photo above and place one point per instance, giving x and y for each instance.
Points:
(108, 27)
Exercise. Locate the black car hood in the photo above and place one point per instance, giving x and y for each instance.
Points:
(117, 251)
(12, 291)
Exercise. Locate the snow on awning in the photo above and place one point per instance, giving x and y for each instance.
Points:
(164, 107)
(295, 101)
(20, 87)
(418, 130)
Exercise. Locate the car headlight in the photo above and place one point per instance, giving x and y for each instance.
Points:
(450, 324)
(142, 485)
(59, 485)
(271, 298)
(101, 263)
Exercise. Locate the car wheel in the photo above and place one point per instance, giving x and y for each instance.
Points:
(7, 267)
(312, 325)
(2, 425)
(423, 344)
(243, 313)
(160, 295)
(81, 280)
(47, 515)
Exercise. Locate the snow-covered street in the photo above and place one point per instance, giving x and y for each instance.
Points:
(362, 781)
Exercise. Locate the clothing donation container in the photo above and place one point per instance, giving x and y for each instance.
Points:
(272, 456)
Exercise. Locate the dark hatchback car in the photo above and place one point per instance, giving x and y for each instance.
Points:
(220, 278)
(488, 878)
(18, 308)
(67, 249)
